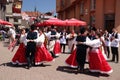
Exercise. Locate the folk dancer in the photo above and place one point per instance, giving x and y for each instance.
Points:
(81, 49)
(57, 46)
(42, 55)
(71, 40)
(12, 38)
(52, 37)
(97, 62)
(31, 46)
(19, 57)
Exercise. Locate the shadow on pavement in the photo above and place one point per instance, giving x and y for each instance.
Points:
(66, 69)
(74, 70)
(9, 64)
(42, 65)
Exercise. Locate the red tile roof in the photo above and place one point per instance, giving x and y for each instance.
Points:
(32, 14)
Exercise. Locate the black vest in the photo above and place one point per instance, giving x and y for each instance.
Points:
(53, 33)
(32, 35)
(115, 35)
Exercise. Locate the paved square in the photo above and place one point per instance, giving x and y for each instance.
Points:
(56, 70)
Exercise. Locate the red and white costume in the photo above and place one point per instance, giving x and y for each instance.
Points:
(71, 41)
(97, 62)
(103, 50)
(57, 48)
(42, 54)
(19, 57)
(71, 60)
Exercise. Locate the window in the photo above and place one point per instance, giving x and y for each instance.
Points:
(62, 3)
(93, 4)
(82, 7)
(92, 20)
(7, 19)
(15, 20)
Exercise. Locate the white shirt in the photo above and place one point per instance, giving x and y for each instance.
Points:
(12, 32)
(49, 35)
(116, 41)
(23, 39)
(108, 42)
(63, 38)
(40, 39)
(73, 40)
(93, 43)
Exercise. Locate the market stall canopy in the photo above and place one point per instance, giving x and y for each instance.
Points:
(58, 22)
(2, 22)
(75, 22)
(40, 24)
(52, 21)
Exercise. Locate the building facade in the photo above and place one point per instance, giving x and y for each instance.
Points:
(102, 14)
(30, 17)
(2, 9)
(13, 12)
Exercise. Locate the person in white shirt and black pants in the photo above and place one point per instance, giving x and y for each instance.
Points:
(107, 36)
(63, 40)
(115, 38)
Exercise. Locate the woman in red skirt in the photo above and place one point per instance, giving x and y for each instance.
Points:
(97, 62)
(57, 48)
(71, 60)
(42, 54)
(19, 57)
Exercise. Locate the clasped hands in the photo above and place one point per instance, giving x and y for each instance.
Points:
(30, 40)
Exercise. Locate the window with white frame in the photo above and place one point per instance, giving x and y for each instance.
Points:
(92, 19)
(82, 7)
(93, 4)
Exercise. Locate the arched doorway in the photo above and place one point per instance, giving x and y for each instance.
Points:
(109, 22)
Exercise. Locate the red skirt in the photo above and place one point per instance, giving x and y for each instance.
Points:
(57, 48)
(42, 55)
(71, 60)
(97, 62)
(19, 57)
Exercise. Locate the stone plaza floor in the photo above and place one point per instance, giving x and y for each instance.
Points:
(56, 70)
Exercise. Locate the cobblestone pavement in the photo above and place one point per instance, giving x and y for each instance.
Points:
(56, 70)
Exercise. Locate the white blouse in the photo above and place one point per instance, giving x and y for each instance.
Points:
(93, 43)
(23, 39)
(41, 39)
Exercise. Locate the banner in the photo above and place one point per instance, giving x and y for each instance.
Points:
(17, 7)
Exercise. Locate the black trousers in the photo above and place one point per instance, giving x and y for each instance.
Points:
(63, 46)
(115, 54)
(81, 57)
(30, 52)
(108, 51)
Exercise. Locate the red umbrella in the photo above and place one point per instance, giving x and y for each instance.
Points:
(75, 22)
(40, 24)
(2, 22)
(54, 21)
